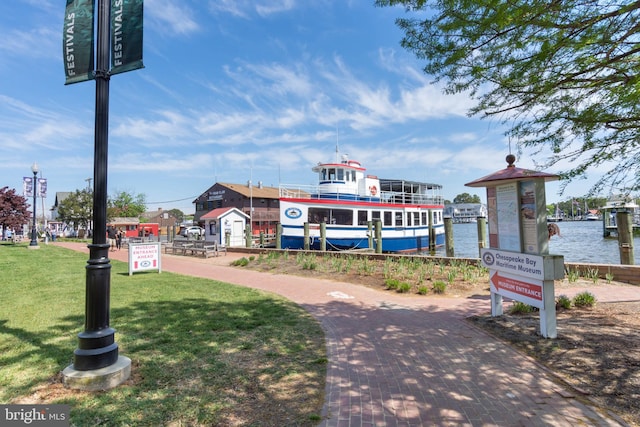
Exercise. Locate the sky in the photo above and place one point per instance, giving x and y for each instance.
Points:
(239, 90)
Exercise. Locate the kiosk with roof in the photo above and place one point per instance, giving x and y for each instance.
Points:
(518, 259)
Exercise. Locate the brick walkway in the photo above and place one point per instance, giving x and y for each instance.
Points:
(401, 361)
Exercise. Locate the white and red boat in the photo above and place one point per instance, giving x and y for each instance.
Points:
(346, 200)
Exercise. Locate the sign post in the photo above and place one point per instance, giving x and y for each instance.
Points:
(520, 267)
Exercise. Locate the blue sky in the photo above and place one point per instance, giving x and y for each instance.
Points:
(234, 90)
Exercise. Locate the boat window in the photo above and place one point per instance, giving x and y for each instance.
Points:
(323, 174)
(340, 174)
(375, 216)
(416, 218)
(341, 216)
(387, 218)
(318, 215)
(398, 219)
(332, 174)
(409, 219)
(362, 218)
(424, 219)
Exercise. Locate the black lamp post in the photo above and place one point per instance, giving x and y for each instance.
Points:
(34, 232)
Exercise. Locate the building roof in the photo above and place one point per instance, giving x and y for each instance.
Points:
(60, 196)
(217, 213)
(510, 173)
(124, 221)
(255, 191)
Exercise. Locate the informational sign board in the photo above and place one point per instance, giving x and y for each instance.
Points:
(144, 256)
(539, 267)
(508, 217)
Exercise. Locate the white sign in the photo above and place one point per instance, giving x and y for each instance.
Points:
(524, 265)
(540, 267)
(144, 256)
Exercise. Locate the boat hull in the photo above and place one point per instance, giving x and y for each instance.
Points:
(395, 238)
(418, 243)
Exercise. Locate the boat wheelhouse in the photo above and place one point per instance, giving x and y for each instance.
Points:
(347, 202)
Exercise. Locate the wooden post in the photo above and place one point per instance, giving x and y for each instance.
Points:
(262, 239)
(432, 235)
(370, 234)
(306, 236)
(448, 236)
(625, 237)
(247, 235)
(482, 234)
(278, 236)
(378, 237)
(323, 236)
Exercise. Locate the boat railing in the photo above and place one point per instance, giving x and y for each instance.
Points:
(391, 197)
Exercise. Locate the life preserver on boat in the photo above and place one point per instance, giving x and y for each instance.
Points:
(374, 190)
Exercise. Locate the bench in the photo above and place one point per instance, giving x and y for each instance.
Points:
(194, 248)
(177, 247)
(208, 250)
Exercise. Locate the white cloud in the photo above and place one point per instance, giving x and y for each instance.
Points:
(172, 16)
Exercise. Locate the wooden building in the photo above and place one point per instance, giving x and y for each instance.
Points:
(261, 204)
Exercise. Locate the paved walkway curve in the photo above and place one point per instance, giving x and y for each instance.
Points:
(401, 361)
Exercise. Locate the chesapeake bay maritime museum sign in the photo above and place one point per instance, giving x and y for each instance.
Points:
(520, 267)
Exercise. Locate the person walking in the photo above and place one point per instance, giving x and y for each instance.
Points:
(111, 234)
(119, 240)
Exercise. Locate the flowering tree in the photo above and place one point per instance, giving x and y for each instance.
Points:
(13, 210)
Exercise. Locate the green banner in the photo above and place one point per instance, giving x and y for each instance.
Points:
(126, 35)
(77, 41)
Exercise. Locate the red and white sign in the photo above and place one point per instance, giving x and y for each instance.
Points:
(515, 287)
(144, 256)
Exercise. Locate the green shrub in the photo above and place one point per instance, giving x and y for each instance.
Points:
(423, 290)
(310, 263)
(593, 274)
(563, 301)
(240, 262)
(573, 276)
(609, 277)
(404, 287)
(521, 308)
(584, 299)
(392, 283)
(439, 287)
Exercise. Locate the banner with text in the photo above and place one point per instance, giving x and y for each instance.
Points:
(77, 41)
(126, 35)
(27, 186)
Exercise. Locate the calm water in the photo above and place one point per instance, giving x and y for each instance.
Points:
(579, 241)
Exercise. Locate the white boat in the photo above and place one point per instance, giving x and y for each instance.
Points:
(346, 201)
(592, 217)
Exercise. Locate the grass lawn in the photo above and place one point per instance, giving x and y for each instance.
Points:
(203, 352)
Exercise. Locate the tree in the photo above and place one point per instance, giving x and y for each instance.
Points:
(123, 204)
(466, 198)
(13, 210)
(562, 73)
(77, 209)
(177, 214)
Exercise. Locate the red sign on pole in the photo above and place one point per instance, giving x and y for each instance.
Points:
(511, 286)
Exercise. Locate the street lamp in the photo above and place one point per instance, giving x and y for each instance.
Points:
(34, 232)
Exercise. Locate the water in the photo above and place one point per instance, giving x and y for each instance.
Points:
(579, 241)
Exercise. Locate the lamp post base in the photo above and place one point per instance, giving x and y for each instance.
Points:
(98, 379)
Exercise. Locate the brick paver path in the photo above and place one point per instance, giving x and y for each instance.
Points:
(401, 361)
